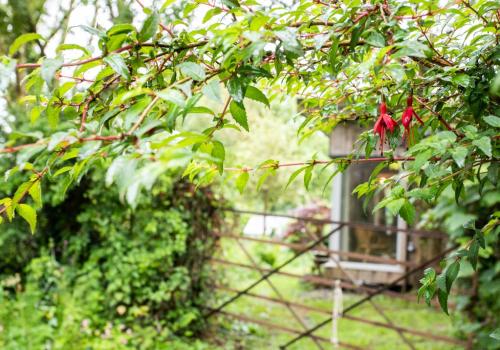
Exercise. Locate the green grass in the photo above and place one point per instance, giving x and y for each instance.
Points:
(402, 313)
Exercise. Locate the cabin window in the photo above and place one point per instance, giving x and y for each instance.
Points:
(366, 239)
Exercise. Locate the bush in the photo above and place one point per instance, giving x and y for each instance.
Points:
(100, 274)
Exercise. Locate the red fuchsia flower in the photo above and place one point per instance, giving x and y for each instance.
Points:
(383, 123)
(407, 117)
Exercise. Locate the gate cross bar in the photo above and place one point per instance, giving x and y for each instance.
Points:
(273, 271)
(371, 295)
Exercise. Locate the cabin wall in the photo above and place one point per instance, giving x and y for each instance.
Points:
(424, 249)
(342, 139)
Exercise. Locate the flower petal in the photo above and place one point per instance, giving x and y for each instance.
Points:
(383, 108)
(406, 117)
(378, 128)
(389, 122)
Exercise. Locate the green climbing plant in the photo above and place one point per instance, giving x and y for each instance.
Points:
(422, 74)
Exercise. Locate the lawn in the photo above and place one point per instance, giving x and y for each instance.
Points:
(253, 336)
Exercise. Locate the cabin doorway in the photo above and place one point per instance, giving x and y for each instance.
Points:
(373, 237)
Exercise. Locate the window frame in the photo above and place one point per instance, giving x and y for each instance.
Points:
(339, 211)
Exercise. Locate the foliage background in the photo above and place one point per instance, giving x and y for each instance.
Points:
(100, 274)
(274, 136)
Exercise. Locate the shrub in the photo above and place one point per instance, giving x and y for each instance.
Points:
(103, 273)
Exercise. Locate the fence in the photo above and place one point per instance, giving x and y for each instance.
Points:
(316, 244)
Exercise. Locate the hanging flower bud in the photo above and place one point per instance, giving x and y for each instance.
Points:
(407, 117)
(383, 123)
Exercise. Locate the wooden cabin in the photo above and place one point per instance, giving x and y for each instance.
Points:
(367, 240)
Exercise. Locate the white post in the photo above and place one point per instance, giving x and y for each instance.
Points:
(337, 310)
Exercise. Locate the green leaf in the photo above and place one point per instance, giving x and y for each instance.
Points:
(166, 4)
(49, 69)
(193, 70)
(93, 31)
(429, 276)
(117, 63)
(114, 169)
(35, 192)
(236, 89)
(239, 114)
(256, 95)
(459, 154)
(9, 207)
(395, 206)
(211, 13)
(212, 91)
(253, 72)
(422, 193)
(443, 300)
(241, 181)
(131, 115)
(407, 212)
(492, 120)
(172, 95)
(62, 171)
(461, 79)
(484, 144)
(356, 34)
(441, 281)
(412, 49)
(421, 292)
(23, 39)
(52, 113)
(200, 110)
(308, 176)
(28, 214)
(149, 27)
(219, 153)
(396, 71)
(123, 172)
(64, 47)
(428, 292)
(264, 176)
(231, 3)
(496, 334)
(20, 192)
(382, 204)
(120, 28)
(295, 174)
(421, 159)
(473, 253)
(339, 168)
(375, 39)
(373, 176)
(104, 73)
(451, 274)
(289, 40)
